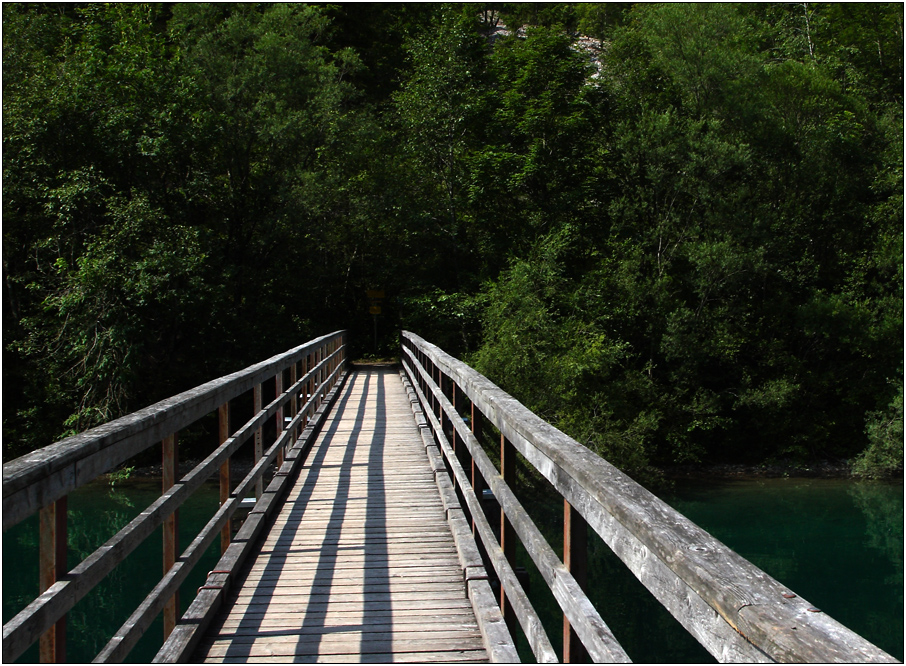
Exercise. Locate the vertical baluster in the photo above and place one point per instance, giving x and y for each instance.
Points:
(309, 386)
(478, 483)
(51, 567)
(318, 359)
(429, 372)
(223, 418)
(169, 467)
(259, 439)
(575, 554)
(293, 403)
(446, 427)
(507, 533)
(418, 375)
(278, 382)
(435, 376)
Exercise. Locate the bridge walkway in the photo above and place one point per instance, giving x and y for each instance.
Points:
(360, 564)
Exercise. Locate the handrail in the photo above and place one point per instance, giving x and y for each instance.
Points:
(734, 609)
(43, 478)
(45, 475)
(494, 630)
(603, 646)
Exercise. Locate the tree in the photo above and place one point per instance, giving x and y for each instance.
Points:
(93, 264)
(155, 204)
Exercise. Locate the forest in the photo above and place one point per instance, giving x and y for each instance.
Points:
(675, 231)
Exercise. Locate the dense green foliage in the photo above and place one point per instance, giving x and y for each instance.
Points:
(687, 248)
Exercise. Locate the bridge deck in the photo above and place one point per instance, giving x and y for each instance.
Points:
(360, 564)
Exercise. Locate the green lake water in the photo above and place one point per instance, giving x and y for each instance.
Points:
(837, 543)
(96, 513)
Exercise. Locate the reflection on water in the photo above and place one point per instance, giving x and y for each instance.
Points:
(884, 525)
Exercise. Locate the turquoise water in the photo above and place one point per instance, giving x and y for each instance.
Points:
(837, 543)
(96, 513)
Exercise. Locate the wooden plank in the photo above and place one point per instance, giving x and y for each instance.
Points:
(355, 540)
(350, 634)
(337, 563)
(378, 602)
(332, 623)
(276, 591)
(376, 578)
(452, 656)
(352, 540)
(351, 646)
(596, 636)
(327, 635)
(346, 549)
(526, 615)
(376, 623)
(340, 577)
(209, 599)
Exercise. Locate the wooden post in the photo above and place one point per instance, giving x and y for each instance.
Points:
(310, 386)
(51, 567)
(169, 467)
(293, 403)
(507, 532)
(478, 484)
(278, 381)
(223, 414)
(310, 362)
(575, 557)
(428, 391)
(318, 358)
(436, 376)
(259, 440)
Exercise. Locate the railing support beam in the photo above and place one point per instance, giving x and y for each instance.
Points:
(223, 418)
(52, 566)
(278, 384)
(575, 557)
(507, 532)
(169, 473)
(259, 439)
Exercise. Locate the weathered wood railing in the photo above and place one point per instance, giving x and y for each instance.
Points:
(41, 480)
(735, 610)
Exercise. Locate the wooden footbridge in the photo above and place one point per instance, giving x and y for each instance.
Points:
(371, 541)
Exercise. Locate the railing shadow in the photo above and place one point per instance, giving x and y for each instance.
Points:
(318, 616)
(377, 605)
(253, 618)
